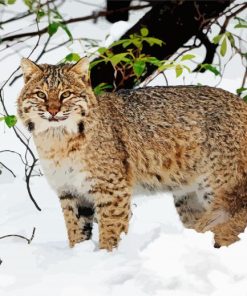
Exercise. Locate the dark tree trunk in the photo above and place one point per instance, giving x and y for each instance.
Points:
(174, 22)
(119, 16)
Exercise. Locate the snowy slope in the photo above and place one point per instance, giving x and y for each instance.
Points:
(158, 256)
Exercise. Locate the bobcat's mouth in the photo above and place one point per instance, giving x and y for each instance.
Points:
(53, 119)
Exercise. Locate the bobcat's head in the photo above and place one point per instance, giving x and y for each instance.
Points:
(55, 97)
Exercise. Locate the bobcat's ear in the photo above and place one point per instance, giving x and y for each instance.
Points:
(29, 68)
(81, 68)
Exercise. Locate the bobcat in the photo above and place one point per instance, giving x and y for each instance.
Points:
(191, 140)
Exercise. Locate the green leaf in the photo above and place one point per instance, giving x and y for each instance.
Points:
(137, 43)
(230, 38)
(144, 32)
(241, 90)
(187, 57)
(115, 43)
(1, 118)
(245, 98)
(210, 68)
(66, 30)
(94, 63)
(151, 41)
(139, 67)
(52, 28)
(187, 68)
(102, 50)
(11, 1)
(166, 67)
(29, 3)
(178, 70)
(152, 60)
(240, 26)
(99, 89)
(223, 47)
(217, 38)
(117, 58)
(57, 15)
(10, 120)
(72, 57)
(109, 54)
(40, 14)
(126, 43)
(242, 23)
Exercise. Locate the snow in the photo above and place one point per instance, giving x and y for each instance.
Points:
(158, 256)
(117, 30)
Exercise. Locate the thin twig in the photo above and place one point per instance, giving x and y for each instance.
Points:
(36, 60)
(244, 78)
(11, 151)
(14, 175)
(28, 168)
(228, 18)
(74, 20)
(22, 15)
(29, 240)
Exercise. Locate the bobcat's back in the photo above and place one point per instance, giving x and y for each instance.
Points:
(184, 130)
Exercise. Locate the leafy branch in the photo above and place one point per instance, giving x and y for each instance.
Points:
(132, 62)
(62, 23)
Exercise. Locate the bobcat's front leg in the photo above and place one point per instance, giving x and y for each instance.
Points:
(112, 204)
(78, 215)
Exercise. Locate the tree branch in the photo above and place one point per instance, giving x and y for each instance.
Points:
(178, 15)
(244, 78)
(8, 169)
(23, 15)
(228, 18)
(94, 16)
(29, 240)
(28, 168)
(14, 152)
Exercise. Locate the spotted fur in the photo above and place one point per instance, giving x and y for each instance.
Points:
(190, 140)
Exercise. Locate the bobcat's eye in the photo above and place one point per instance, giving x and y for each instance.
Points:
(41, 95)
(65, 95)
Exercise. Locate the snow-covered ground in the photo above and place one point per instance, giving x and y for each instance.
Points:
(158, 256)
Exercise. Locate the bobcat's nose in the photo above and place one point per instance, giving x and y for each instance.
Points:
(53, 111)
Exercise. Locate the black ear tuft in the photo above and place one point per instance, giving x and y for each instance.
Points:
(81, 127)
(30, 126)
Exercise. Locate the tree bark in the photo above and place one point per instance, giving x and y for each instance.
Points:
(119, 16)
(174, 22)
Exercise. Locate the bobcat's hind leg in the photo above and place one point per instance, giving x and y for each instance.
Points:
(226, 217)
(78, 215)
(227, 233)
(189, 209)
